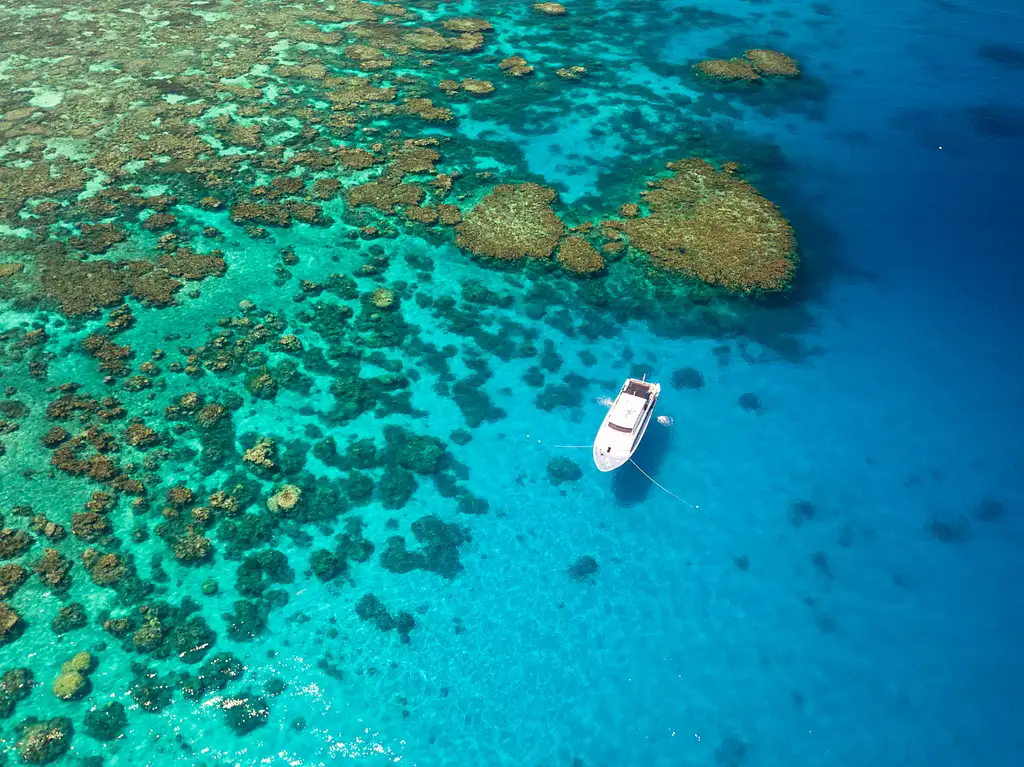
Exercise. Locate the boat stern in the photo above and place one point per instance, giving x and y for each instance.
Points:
(607, 459)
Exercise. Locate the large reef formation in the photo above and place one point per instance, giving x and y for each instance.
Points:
(127, 242)
(716, 227)
(703, 223)
(752, 65)
(512, 221)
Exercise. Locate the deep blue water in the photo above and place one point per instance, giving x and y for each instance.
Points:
(850, 590)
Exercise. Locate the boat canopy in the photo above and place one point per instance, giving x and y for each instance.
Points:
(626, 412)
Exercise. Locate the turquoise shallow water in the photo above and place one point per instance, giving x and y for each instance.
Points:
(848, 590)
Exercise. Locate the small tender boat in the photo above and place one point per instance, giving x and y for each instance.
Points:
(625, 424)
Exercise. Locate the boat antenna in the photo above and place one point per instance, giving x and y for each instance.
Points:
(678, 498)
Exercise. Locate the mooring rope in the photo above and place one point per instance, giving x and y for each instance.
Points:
(541, 442)
(658, 484)
(683, 500)
(652, 480)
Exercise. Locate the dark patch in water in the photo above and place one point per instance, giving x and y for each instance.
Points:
(997, 120)
(800, 512)
(751, 403)
(688, 378)
(1006, 56)
(731, 753)
(820, 562)
(955, 530)
(826, 624)
(989, 510)
(583, 568)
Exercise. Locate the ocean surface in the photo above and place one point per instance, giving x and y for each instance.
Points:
(826, 568)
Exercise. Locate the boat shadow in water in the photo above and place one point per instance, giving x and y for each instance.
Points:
(629, 485)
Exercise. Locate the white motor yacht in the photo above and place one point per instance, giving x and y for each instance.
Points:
(624, 425)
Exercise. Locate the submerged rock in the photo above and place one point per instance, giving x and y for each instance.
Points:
(106, 722)
(41, 742)
(583, 568)
(15, 685)
(10, 623)
(245, 712)
(688, 378)
(563, 469)
(70, 685)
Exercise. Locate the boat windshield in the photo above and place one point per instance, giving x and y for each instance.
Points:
(623, 429)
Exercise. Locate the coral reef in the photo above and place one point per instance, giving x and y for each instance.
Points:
(727, 69)
(245, 712)
(687, 378)
(510, 222)
(769, 62)
(73, 680)
(285, 500)
(577, 255)
(477, 87)
(179, 412)
(583, 568)
(15, 686)
(515, 66)
(550, 9)
(42, 742)
(370, 608)
(563, 469)
(752, 65)
(107, 722)
(382, 298)
(10, 623)
(712, 226)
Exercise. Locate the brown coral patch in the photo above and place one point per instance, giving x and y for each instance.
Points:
(571, 73)
(12, 576)
(769, 62)
(83, 287)
(356, 158)
(104, 569)
(715, 227)
(140, 436)
(550, 9)
(97, 238)
(425, 109)
(516, 66)
(467, 25)
(421, 214)
(449, 215)
(384, 195)
(512, 221)
(159, 222)
(89, 526)
(324, 188)
(577, 255)
(477, 87)
(265, 214)
(726, 69)
(9, 623)
(9, 270)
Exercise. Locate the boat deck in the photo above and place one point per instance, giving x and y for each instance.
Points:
(639, 389)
